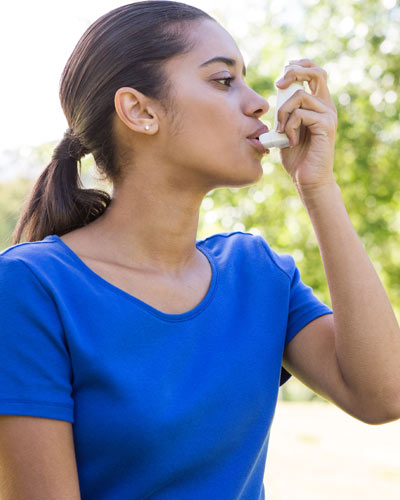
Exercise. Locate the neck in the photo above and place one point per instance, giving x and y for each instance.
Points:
(151, 227)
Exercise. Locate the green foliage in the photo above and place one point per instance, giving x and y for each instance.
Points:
(12, 196)
(356, 43)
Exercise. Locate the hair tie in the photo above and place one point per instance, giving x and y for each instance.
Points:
(69, 147)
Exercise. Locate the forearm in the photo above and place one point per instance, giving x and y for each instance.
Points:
(367, 335)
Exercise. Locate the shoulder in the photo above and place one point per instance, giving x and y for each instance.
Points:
(26, 263)
(231, 241)
(252, 246)
(28, 250)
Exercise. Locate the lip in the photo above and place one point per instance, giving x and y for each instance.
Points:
(262, 129)
(257, 144)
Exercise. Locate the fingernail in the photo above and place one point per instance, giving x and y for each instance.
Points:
(280, 82)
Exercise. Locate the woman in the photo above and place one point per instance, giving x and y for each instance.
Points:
(138, 362)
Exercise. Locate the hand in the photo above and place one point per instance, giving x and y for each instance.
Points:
(310, 162)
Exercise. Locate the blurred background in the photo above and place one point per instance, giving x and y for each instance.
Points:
(358, 43)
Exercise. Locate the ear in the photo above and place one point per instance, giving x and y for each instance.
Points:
(136, 110)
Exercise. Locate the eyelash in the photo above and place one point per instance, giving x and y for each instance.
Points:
(224, 79)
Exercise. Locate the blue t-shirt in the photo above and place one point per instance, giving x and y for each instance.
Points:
(163, 406)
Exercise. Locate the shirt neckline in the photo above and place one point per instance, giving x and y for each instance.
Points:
(166, 316)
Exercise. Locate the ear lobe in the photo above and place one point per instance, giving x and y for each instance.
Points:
(133, 109)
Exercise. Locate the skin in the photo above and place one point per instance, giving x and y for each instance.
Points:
(170, 168)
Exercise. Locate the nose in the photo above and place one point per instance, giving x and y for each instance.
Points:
(255, 104)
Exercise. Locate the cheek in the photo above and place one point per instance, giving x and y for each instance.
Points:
(215, 131)
(206, 127)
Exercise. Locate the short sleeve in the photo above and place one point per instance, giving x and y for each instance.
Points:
(35, 365)
(304, 307)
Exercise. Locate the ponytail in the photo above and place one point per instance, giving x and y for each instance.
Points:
(58, 203)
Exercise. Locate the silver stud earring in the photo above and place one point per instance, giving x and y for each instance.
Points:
(147, 127)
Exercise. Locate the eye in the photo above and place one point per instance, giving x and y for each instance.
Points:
(225, 80)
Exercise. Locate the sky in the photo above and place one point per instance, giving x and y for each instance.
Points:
(36, 39)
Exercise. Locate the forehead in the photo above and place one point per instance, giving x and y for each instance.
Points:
(213, 40)
(210, 40)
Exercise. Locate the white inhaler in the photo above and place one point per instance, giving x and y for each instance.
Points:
(275, 139)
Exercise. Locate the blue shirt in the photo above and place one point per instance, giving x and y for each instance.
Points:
(163, 406)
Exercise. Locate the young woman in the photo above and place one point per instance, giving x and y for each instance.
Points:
(136, 361)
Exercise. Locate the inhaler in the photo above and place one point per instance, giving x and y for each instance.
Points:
(275, 139)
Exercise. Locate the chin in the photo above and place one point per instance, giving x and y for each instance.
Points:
(254, 170)
(254, 179)
(245, 176)
(240, 171)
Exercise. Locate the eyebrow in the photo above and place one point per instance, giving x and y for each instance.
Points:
(227, 60)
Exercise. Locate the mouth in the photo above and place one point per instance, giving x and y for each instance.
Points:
(257, 144)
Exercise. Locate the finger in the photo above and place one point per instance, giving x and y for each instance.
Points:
(317, 124)
(304, 62)
(316, 78)
(300, 99)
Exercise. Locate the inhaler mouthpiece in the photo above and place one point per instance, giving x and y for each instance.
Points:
(275, 139)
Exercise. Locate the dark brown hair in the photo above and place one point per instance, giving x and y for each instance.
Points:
(126, 47)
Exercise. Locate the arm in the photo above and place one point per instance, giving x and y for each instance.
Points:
(37, 459)
(350, 358)
(354, 357)
(366, 332)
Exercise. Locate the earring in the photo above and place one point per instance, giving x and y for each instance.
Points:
(147, 127)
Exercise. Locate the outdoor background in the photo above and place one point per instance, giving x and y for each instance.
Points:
(314, 445)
